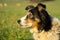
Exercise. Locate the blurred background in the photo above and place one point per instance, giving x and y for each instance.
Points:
(12, 10)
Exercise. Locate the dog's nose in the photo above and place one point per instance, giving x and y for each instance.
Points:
(19, 21)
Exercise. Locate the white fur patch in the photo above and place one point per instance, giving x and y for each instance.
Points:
(50, 35)
(23, 22)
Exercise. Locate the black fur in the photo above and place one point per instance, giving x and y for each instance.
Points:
(40, 4)
(44, 17)
(46, 20)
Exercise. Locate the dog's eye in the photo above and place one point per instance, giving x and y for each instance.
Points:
(30, 16)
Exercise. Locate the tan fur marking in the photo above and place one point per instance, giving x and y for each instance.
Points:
(40, 8)
(35, 23)
(50, 35)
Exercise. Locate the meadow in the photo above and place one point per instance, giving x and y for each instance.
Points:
(9, 28)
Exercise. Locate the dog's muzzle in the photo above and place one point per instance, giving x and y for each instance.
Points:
(19, 21)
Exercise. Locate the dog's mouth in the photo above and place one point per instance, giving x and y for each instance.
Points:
(26, 25)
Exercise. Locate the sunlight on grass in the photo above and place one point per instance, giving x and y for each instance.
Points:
(9, 28)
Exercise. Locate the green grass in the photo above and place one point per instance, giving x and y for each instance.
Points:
(9, 28)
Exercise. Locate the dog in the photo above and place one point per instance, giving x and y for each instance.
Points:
(41, 24)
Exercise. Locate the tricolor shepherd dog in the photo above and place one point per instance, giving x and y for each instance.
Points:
(41, 24)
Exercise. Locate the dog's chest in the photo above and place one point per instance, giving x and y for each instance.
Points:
(45, 36)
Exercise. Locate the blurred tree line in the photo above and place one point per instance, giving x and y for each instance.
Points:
(9, 1)
(39, 0)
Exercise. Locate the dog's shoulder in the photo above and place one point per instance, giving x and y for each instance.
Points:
(55, 21)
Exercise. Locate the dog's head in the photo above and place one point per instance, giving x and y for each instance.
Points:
(36, 17)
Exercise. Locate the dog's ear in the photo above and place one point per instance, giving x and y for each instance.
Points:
(41, 6)
(29, 7)
(45, 18)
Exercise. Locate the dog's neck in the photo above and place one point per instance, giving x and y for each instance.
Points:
(33, 30)
(54, 23)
